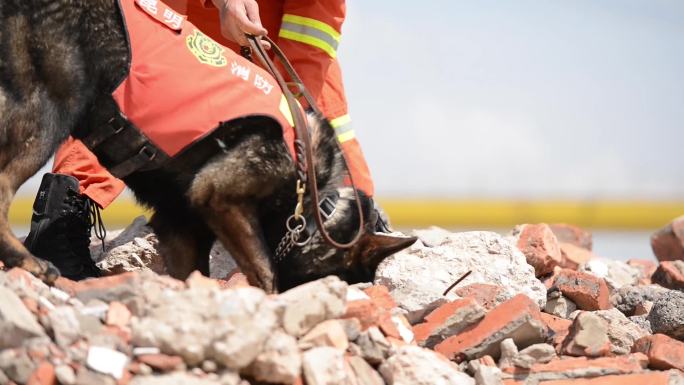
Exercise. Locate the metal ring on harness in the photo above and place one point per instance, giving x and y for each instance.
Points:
(296, 232)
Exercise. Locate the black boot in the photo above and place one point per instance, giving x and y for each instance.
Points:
(61, 225)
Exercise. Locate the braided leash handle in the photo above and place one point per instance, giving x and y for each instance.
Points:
(304, 164)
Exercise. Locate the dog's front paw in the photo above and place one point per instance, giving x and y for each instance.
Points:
(42, 269)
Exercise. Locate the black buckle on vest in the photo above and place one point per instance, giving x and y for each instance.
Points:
(134, 163)
(327, 206)
(113, 127)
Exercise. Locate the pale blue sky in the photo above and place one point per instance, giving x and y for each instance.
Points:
(538, 99)
(492, 98)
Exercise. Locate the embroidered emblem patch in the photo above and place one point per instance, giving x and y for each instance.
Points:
(206, 50)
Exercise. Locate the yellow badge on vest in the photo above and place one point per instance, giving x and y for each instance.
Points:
(206, 50)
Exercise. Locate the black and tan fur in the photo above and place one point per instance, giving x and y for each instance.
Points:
(60, 59)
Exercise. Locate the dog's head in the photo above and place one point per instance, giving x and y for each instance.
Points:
(318, 258)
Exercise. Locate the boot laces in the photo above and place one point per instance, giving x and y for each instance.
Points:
(86, 220)
(95, 222)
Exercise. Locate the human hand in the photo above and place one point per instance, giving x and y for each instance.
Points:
(239, 17)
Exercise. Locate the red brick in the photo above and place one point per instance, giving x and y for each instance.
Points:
(381, 296)
(668, 242)
(573, 256)
(587, 291)
(487, 361)
(118, 315)
(550, 279)
(518, 318)
(540, 247)
(652, 378)
(663, 352)
(646, 266)
(234, 280)
(161, 362)
(198, 281)
(558, 326)
(94, 284)
(381, 315)
(670, 274)
(389, 329)
(365, 310)
(31, 304)
(43, 375)
(16, 274)
(435, 321)
(485, 294)
(643, 308)
(629, 363)
(572, 234)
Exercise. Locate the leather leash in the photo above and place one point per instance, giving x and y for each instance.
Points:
(304, 165)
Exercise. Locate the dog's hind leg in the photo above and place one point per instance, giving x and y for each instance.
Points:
(184, 242)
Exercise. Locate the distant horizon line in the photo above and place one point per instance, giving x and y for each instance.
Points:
(450, 213)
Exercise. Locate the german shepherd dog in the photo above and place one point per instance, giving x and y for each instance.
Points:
(59, 59)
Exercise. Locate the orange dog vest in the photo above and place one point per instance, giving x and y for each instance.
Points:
(182, 84)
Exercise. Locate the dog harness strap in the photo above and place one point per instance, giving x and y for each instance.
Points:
(138, 161)
(102, 133)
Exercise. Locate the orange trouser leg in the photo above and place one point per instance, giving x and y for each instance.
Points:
(308, 32)
(73, 158)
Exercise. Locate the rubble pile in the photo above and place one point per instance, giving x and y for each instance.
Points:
(538, 307)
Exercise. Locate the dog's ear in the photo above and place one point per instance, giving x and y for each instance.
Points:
(374, 247)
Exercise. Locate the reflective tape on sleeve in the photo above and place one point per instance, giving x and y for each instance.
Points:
(310, 31)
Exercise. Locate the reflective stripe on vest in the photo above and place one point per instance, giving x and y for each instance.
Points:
(343, 128)
(310, 31)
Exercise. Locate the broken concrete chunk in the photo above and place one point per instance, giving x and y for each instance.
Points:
(621, 331)
(325, 366)
(16, 322)
(418, 276)
(667, 315)
(616, 273)
(533, 354)
(588, 336)
(559, 306)
(327, 333)
(280, 361)
(305, 306)
(107, 361)
(418, 366)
